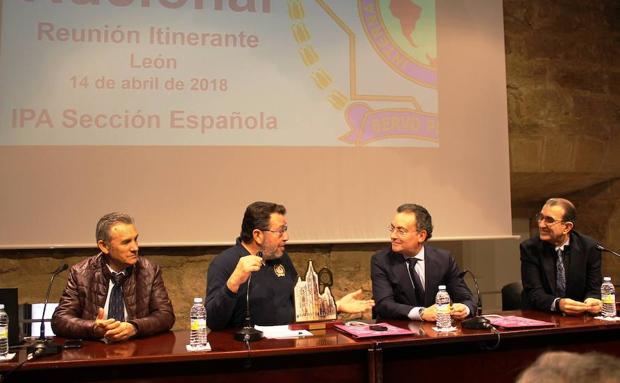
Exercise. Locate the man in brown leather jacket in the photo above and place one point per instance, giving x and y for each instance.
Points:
(114, 295)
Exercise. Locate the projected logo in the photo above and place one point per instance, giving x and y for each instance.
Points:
(402, 111)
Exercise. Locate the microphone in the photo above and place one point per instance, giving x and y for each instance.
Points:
(58, 270)
(42, 346)
(248, 333)
(601, 248)
(478, 321)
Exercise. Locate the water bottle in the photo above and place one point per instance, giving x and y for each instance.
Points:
(4, 332)
(198, 325)
(442, 300)
(608, 296)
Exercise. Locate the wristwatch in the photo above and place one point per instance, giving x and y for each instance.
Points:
(420, 313)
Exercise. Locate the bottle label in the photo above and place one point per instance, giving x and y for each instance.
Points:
(197, 324)
(608, 299)
(4, 332)
(443, 309)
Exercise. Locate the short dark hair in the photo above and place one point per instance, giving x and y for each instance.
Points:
(107, 221)
(570, 213)
(422, 217)
(257, 216)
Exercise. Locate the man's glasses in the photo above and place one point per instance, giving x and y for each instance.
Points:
(280, 232)
(400, 231)
(549, 221)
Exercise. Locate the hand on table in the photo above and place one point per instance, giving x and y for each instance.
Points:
(459, 311)
(111, 329)
(572, 307)
(594, 306)
(352, 303)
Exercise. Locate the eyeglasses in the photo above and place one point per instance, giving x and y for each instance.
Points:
(280, 232)
(549, 221)
(400, 231)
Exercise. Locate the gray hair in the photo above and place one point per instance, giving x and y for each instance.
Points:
(569, 367)
(107, 221)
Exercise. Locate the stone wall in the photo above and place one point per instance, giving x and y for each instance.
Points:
(563, 80)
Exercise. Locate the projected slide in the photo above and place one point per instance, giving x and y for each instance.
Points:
(182, 112)
(219, 73)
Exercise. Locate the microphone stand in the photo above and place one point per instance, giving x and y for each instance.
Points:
(248, 333)
(43, 346)
(601, 248)
(478, 321)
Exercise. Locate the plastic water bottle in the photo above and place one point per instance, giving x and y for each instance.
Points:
(442, 300)
(608, 296)
(4, 332)
(198, 325)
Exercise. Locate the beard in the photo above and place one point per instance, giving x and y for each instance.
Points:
(273, 253)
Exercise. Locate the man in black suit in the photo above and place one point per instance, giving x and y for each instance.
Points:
(561, 268)
(406, 277)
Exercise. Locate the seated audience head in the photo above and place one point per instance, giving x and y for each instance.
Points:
(570, 367)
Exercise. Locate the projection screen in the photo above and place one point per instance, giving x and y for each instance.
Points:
(182, 112)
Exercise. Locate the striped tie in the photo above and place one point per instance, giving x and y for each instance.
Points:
(560, 282)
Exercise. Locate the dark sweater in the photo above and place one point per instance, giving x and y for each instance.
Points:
(271, 296)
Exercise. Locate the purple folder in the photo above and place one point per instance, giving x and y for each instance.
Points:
(363, 331)
(512, 322)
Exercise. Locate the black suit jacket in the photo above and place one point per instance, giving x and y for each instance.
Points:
(583, 275)
(393, 292)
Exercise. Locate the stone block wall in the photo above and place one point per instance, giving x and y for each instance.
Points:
(563, 82)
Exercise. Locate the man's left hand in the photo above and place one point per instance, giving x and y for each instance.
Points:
(594, 305)
(459, 311)
(123, 332)
(352, 303)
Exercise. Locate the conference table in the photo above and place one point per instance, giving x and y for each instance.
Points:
(329, 355)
